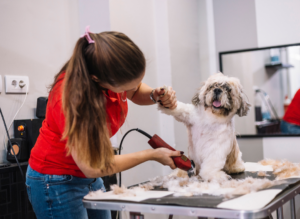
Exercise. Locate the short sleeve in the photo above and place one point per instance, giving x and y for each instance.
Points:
(58, 116)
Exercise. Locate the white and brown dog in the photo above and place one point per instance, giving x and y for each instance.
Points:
(209, 121)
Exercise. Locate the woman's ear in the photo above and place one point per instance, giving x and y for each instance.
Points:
(94, 78)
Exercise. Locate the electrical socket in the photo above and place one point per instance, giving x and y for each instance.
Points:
(16, 84)
(0, 83)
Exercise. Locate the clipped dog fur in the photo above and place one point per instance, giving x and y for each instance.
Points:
(96, 193)
(184, 186)
(210, 125)
(125, 192)
(118, 190)
(282, 168)
(179, 182)
(262, 173)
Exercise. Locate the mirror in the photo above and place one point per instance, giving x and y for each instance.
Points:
(270, 77)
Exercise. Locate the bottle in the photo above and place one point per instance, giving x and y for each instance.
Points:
(258, 114)
(274, 56)
(286, 103)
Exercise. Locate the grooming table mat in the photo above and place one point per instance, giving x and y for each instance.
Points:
(207, 200)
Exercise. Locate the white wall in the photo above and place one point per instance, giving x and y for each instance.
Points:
(235, 26)
(37, 38)
(94, 13)
(207, 44)
(277, 22)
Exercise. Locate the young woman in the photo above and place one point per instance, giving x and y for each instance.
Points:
(290, 123)
(87, 105)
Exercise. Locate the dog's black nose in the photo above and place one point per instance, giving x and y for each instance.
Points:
(217, 91)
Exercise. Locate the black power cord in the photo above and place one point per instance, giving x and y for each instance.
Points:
(11, 147)
(120, 147)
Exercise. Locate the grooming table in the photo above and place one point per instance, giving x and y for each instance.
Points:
(204, 206)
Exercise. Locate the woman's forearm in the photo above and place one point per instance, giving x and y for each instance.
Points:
(121, 163)
(142, 95)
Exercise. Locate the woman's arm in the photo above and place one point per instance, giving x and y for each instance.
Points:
(127, 161)
(141, 96)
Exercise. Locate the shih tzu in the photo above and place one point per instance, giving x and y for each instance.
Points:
(210, 125)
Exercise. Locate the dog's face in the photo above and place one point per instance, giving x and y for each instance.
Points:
(222, 95)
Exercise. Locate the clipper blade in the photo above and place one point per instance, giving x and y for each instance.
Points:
(192, 172)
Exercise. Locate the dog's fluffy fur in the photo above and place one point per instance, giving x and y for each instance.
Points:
(209, 121)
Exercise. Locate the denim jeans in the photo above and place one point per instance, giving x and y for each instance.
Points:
(60, 196)
(289, 128)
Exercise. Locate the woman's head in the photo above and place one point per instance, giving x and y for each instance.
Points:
(112, 62)
(113, 59)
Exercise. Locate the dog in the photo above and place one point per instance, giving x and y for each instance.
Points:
(210, 125)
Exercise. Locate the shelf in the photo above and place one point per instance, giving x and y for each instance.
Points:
(279, 66)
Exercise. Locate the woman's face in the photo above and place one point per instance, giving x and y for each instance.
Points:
(130, 86)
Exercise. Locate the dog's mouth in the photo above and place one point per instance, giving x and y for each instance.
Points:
(216, 104)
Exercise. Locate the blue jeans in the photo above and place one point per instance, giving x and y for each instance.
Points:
(289, 128)
(60, 196)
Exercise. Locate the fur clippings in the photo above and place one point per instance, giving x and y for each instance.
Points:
(182, 186)
(282, 168)
(146, 187)
(96, 193)
(262, 173)
(118, 190)
(125, 192)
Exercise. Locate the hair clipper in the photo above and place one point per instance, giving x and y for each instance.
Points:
(181, 162)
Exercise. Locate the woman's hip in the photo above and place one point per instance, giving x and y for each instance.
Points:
(59, 196)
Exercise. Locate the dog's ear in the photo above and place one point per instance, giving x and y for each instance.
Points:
(196, 99)
(244, 106)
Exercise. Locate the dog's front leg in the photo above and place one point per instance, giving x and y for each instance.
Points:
(182, 113)
(211, 169)
(234, 162)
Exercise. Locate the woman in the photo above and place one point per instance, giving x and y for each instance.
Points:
(87, 105)
(290, 123)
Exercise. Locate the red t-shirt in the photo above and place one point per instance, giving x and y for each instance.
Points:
(48, 156)
(292, 114)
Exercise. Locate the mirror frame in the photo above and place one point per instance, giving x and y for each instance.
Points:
(249, 50)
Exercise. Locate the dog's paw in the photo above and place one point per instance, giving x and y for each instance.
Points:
(164, 109)
(238, 167)
(219, 176)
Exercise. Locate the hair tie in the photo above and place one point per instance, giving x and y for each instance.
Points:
(87, 35)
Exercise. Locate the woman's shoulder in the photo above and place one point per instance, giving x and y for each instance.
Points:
(55, 94)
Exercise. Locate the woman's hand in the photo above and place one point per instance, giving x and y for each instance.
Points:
(163, 156)
(168, 100)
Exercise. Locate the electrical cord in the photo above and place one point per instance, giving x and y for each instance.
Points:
(12, 146)
(16, 114)
(21, 171)
(120, 147)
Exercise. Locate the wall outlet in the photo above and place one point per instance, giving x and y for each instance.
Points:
(0, 83)
(16, 84)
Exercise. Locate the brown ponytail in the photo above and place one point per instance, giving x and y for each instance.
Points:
(113, 59)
